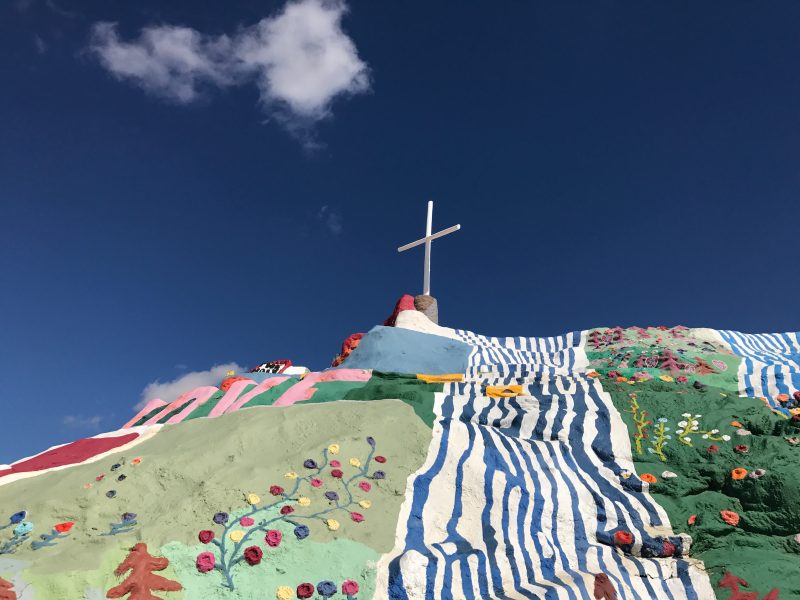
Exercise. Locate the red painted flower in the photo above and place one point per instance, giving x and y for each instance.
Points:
(681, 379)
(246, 521)
(337, 473)
(364, 485)
(205, 536)
(742, 448)
(668, 548)
(349, 587)
(692, 519)
(712, 449)
(275, 490)
(305, 590)
(380, 459)
(205, 562)
(357, 517)
(253, 555)
(99, 477)
(285, 510)
(623, 538)
(64, 527)
(316, 482)
(273, 538)
(336, 463)
(730, 517)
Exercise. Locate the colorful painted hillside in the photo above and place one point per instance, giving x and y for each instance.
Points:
(436, 463)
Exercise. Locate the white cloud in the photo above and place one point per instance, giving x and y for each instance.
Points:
(170, 390)
(331, 219)
(300, 60)
(39, 44)
(81, 422)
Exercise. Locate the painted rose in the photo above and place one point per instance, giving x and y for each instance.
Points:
(220, 518)
(349, 587)
(205, 536)
(333, 449)
(692, 519)
(371, 441)
(285, 510)
(332, 524)
(332, 496)
(284, 593)
(354, 462)
(712, 449)
(301, 532)
(623, 538)
(275, 490)
(668, 548)
(236, 536)
(379, 475)
(18, 517)
(273, 538)
(742, 448)
(336, 463)
(64, 527)
(246, 521)
(205, 562)
(253, 499)
(337, 473)
(253, 555)
(305, 590)
(304, 501)
(316, 482)
(730, 517)
(365, 485)
(310, 463)
(357, 517)
(379, 459)
(326, 588)
(681, 379)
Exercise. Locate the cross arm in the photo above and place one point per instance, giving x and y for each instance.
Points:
(441, 233)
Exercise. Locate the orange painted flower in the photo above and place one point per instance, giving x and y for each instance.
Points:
(782, 398)
(593, 374)
(736, 424)
(64, 527)
(136, 460)
(622, 379)
(648, 478)
(730, 517)
(739, 473)
(692, 519)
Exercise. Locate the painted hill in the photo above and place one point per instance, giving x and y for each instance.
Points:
(659, 462)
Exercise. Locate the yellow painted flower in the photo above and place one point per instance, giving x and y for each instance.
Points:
(333, 449)
(631, 382)
(253, 499)
(332, 524)
(291, 475)
(236, 536)
(304, 501)
(666, 378)
(355, 462)
(229, 373)
(284, 593)
(365, 504)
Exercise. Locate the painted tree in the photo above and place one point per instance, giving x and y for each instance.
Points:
(6, 593)
(702, 367)
(142, 581)
(603, 588)
(732, 582)
(669, 361)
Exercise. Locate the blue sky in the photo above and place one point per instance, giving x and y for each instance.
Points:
(191, 184)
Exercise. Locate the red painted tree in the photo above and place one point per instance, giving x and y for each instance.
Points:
(702, 367)
(603, 588)
(669, 361)
(6, 593)
(142, 580)
(732, 583)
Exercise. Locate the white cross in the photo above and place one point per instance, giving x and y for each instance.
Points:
(426, 282)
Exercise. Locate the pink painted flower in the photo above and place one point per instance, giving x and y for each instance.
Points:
(336, 463)
(275, 490)
(205, 536)
(349, 587)
(205, 562)
(364, 485)
(668, 548)
(681, 379)
(380, 459)
(712, 449)
(316, 482)
(246, 521)
(337, 473)
(285, 510)
(742, 448)
(273, 538)
(357, 517)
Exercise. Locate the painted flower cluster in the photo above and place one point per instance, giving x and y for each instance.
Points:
(21, 529)
(325, 589)
(325, 493)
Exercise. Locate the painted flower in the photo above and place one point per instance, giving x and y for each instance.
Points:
(380, 459)
(333, 449)
(793, 440)
(332, 524)
(349, 587)
(757, 473)
(301, 532)
(310, 463)
(286, 510)
(782, 398)
(625, 474)
(666, 378)
(284, 593)
(726, 437)
(332, 496)
(355, 462)
(735, 424)
(290, 475)
(357, 517)
(23, 528)
(100, 477)
(221, 518)
(667, 548)
(246, 521)
(326, 588)
(682, 423)
(743, 432)
(668, 475)
(18, 517)
(336, 464)
(681, 379)
(236, 536)
(621, 379)
(136, 461)
(365, 485)
(738, 473)
(730, 517)
(797, 538)
(64, 527)
(742, 448)
(613, 374)
(128, 517)
(304, 501)
(692, 519)
(205, 536)
(253, 555)
(275, 490)
(273, 538)
(648, 477)
(205, 562)
(623, 538)
(593, 374)
(316, 482)
(253, 499)
(337, 473)
(379, 475)
(371, 441)
(305, 590)
(365, 504)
